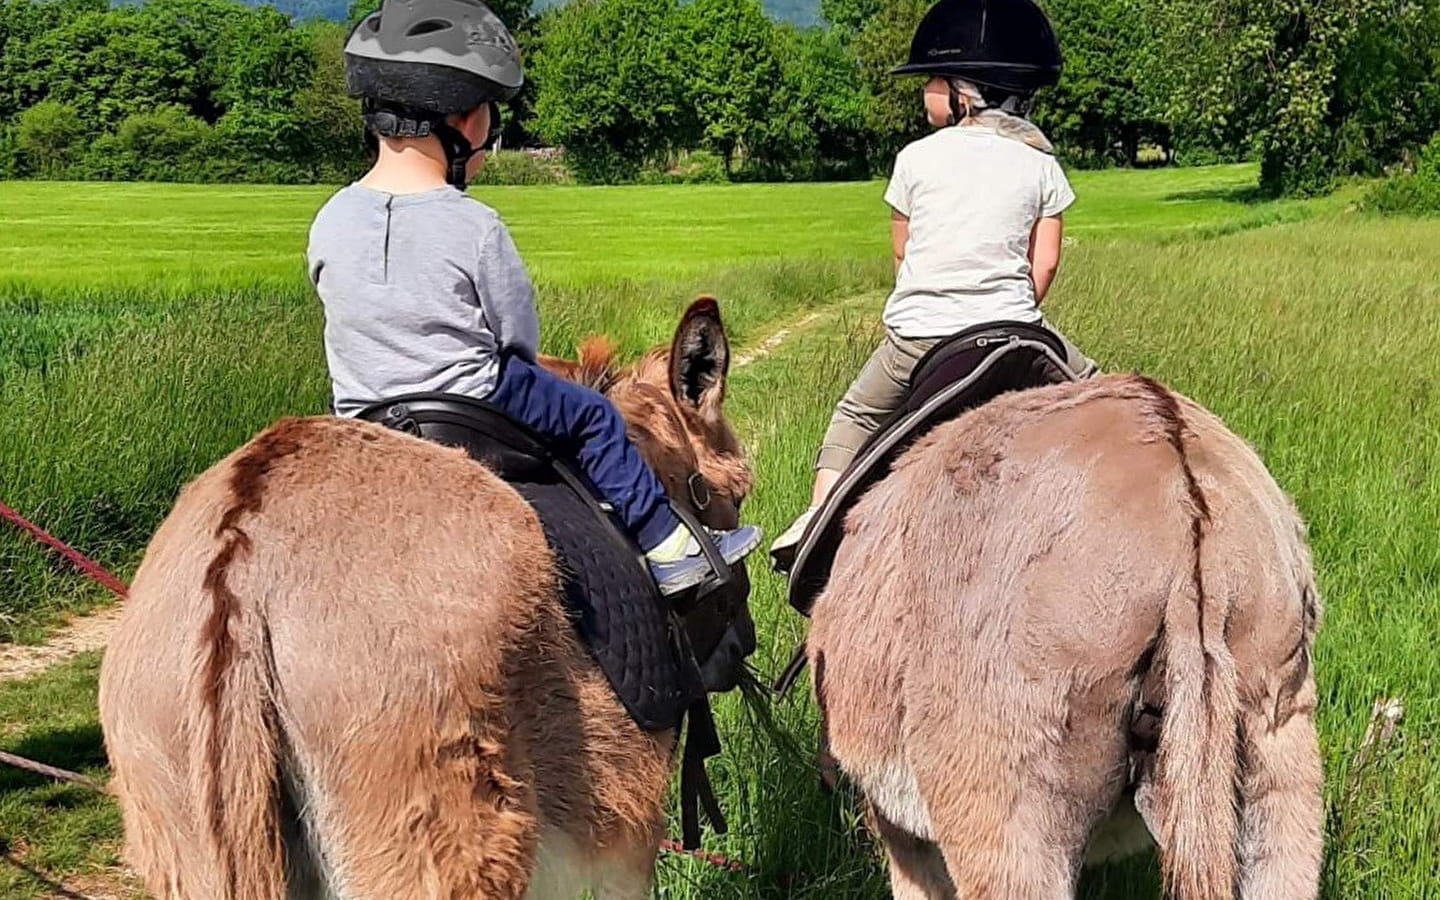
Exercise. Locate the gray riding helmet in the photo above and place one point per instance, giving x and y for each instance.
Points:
(436, 56)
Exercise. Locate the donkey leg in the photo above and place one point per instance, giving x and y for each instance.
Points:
(1281, 808)
(566, 867)
(1018, 828)
(160, 834)
(1021, 863)
(917, 867)
(441, 808)
(627, 876)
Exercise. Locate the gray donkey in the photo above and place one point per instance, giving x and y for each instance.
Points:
(1069, 601)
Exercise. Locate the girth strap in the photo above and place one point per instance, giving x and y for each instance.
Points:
(701, 743)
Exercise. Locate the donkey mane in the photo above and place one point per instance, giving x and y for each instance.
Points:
(643, 394)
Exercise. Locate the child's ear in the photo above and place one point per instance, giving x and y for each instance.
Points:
(467, 123)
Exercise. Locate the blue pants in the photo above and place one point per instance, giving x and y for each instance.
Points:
(587, 427)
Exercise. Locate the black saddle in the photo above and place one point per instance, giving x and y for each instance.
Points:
(609, 593)
(971, 369)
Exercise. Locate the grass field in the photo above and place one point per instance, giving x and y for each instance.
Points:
(1314, 336)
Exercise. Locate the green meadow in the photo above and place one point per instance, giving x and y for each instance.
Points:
(146, 330)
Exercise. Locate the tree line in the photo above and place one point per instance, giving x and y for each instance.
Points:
(214, 90)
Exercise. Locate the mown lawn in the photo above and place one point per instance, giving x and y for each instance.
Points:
(153, 235)
(1315, 340)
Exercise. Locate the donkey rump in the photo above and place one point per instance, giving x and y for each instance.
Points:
(608, 592)
(968, 370)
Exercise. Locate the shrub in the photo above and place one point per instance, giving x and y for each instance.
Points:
(701, 167)
(48, 136)
(162, 144)
(1414, 193)
(694, 167)
(518, 167)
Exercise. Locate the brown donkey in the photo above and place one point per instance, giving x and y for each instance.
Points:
(345, 671)
(1063, 595)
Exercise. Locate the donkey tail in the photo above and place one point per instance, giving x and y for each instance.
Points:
(1197, 766)
(235, 734)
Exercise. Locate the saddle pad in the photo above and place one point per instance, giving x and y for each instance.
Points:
(608, 592)
(964, 372)
(614, 605)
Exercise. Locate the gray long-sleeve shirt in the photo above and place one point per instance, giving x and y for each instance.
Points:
(421, 293)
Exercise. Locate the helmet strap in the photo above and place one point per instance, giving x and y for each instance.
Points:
(395, 123)
(1018, 105)
(418, 124)
(956, 113)
(458, 152)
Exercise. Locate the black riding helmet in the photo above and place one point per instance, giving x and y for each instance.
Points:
(414, 62)
(1005, 47)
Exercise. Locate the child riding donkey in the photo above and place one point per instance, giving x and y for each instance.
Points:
(977, 213)
(423, 288)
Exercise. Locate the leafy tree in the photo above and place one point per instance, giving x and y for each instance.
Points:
(163, 144)
(1101, 111)
(1387, 90)
(730, 71)
(895, 114)
(610, 85)
(109, 65)
(11, 165)
(331, 134)
(48, 136)
(850, 16)
(1295, 79)
(816, 127)
(263, 66)
(22, 22)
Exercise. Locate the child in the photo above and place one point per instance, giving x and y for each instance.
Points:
(976, 212)
(422, 286)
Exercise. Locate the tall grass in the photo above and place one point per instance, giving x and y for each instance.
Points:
(1316, 341)
(106, 416)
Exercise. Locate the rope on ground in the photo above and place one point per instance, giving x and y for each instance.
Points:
(65, 775)
(100, 575)
(714, 859)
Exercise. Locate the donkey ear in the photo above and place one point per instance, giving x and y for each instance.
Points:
(700, 356)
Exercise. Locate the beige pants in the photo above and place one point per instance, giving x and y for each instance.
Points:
(881, 386)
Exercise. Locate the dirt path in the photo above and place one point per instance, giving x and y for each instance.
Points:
(81, 635)
(774, 341)
(92, 632)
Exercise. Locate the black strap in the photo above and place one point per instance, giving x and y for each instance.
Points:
(686, 604)
(458, 151)
(701, 742)
(387, 123)
(707, 547)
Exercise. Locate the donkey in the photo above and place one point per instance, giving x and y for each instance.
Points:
(1080, 599)
(345, 671)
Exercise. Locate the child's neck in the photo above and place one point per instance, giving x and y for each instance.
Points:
(407, 167)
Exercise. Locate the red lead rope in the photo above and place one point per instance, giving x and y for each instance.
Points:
(97, 573)
(85, 564)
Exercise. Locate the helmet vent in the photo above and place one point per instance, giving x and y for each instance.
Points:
(429, 26)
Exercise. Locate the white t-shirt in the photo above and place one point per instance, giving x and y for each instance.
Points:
(972, 197)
